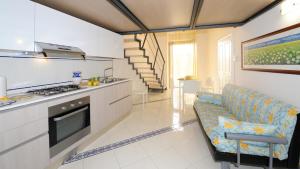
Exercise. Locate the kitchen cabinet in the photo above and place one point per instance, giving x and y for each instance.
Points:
(109, 105)
(121, 107)
(122, 100)
(17, 25)
(100, 110)
(52, 26)
(31, 155)
(20, 125)
(24, 140)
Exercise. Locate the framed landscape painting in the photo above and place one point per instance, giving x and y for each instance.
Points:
(277, 52)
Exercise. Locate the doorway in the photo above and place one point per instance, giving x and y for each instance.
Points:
(182, 61)
(224, 61)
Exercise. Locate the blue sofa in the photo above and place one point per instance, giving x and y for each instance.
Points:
(245, 105)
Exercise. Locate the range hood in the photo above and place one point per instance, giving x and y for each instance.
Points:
(60, 51)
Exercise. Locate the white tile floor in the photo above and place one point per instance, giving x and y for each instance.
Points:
(184, 148)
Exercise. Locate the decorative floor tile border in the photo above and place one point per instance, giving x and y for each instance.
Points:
(125, 142)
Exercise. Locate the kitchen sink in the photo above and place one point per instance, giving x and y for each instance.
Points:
(111, 80)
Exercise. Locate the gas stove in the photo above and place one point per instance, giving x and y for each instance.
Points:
(54, 90)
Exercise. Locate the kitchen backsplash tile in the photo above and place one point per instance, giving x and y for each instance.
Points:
(31, 71)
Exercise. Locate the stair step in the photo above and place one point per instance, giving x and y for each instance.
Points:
(142, 65)
(145, 68)
(148, 75)
(129, 45)
(153, 83)
(151, 80)
(155, 87)
(128, 37)
(133, 48)
(130, 40)
(138, 60)
(145, 71)
(134, 55)
(134, 52)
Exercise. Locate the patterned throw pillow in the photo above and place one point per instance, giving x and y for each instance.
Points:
(242, 127)
(212, 98)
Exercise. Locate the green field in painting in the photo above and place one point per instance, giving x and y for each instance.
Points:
(280, 54)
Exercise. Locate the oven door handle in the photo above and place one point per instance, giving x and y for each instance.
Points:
(71, 114)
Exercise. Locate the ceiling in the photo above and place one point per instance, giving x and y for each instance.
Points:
(162, 15)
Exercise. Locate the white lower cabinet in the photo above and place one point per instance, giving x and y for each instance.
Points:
(122, 107)
(100, 116)
(20, 125)
(31, 155)
(108, 105)
(24, 140)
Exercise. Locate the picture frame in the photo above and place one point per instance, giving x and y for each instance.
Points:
(277, 52)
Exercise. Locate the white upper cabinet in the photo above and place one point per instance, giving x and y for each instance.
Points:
(52, 26)
(17, 25)
(55, 27)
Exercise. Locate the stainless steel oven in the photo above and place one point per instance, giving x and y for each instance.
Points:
(68, 123)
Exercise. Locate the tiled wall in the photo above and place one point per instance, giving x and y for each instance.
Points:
(27, 71)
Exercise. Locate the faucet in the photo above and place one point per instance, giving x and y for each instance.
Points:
(105, 70)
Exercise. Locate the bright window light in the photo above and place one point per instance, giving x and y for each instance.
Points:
(289, 6)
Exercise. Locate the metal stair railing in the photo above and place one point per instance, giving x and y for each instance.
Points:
(149, 41)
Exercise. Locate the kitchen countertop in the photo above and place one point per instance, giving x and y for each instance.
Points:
(38, 99)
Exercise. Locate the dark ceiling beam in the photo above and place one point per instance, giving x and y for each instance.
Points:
(262, 11)
(198, 4)
(125, 11)
(222, 25)
(185, 28)
(196, 11)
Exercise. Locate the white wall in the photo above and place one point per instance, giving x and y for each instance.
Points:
(282, 86)
(124, 70)
(207, 51)
(25, 72)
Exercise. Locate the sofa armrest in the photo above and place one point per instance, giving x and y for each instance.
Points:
(257, 138)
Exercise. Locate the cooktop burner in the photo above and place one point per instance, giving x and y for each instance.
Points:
(54, 90)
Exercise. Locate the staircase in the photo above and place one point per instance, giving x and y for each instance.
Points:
(144, 54)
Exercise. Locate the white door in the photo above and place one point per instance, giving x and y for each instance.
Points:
(224, 61)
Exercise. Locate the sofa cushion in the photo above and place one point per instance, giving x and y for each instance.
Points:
(236, 126)
(241, 127)
(212, 98)
(208, 114)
